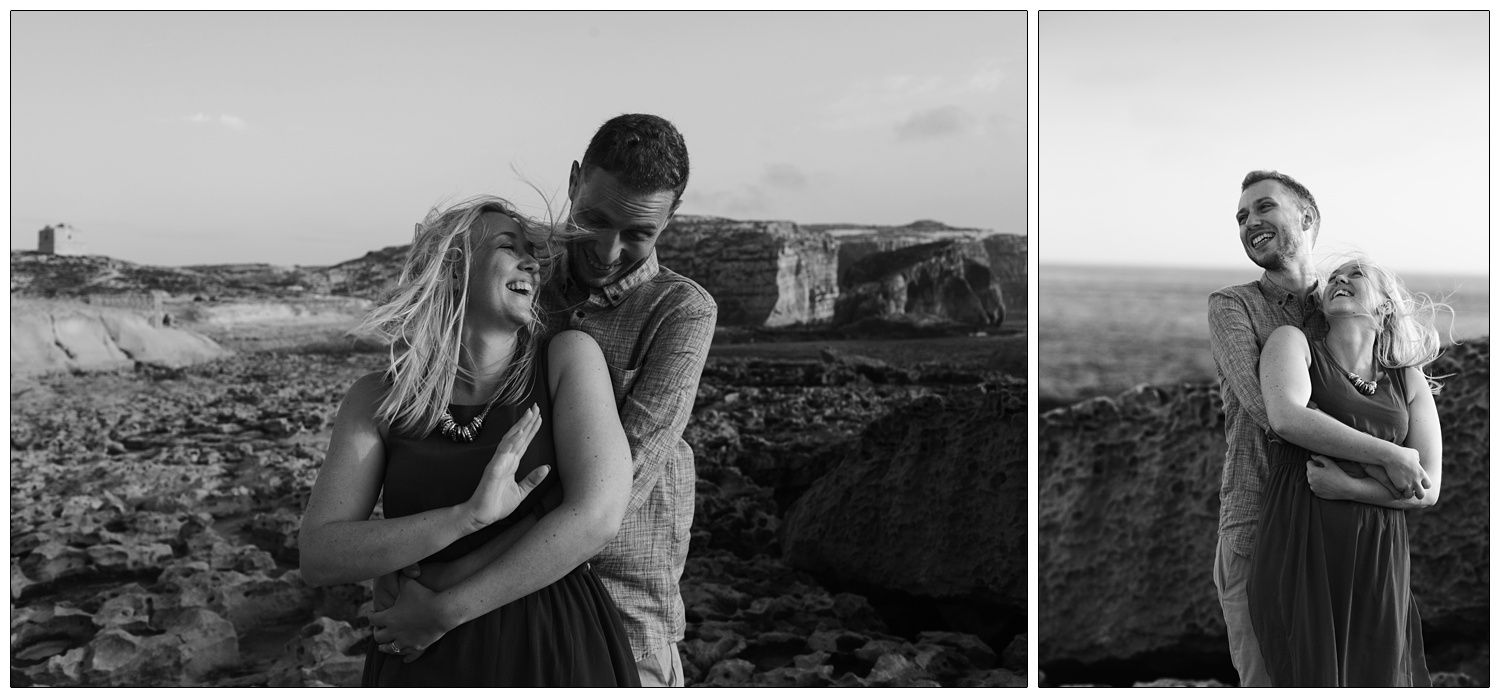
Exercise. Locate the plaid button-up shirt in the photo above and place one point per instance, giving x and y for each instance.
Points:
(655, 327)
(1240, 320)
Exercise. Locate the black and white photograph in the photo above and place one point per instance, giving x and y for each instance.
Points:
(577, 349)
(1263, 349)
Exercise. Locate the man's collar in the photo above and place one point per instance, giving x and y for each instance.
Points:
(1276, 292)
(613, 293)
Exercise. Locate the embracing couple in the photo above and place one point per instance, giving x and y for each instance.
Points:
(1332, 434)
(525, 439)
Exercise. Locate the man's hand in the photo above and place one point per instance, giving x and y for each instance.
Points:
(388, 586)
(1407, 476)
(411, 625)
(1378, 474)
(1326, 478)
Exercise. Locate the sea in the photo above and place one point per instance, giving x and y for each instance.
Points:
(1103, 330)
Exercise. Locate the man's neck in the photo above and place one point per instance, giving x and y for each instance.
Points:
(1299, 277)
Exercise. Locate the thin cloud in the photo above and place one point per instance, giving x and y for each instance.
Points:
(228, 121)
(784, 176)
(750, 201)
(870, 102)
(929, 124)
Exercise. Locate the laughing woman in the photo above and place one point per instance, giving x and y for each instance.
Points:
(457, 436)
(1330, 581)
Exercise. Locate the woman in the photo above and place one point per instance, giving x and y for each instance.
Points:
(1329, 588)
(467, 364)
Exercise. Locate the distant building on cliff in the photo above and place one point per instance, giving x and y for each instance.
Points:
(60, 239)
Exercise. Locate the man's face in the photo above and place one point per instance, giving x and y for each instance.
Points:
(621, 226)
(1273, 228)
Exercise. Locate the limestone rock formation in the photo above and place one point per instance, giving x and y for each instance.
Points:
(56, 335)
(948, 279)
(1007, 253)
(1129, 511)
(761, 273)
(930, 501)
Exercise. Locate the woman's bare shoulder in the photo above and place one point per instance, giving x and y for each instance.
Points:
(571, 347)
(1288, 333)
(363, 400)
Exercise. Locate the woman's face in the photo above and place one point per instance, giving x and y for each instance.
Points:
(1349, 292)
(503, 274)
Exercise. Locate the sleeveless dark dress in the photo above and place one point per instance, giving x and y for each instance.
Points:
(1330, 584)
(565, 634)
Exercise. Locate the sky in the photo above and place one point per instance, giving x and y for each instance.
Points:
(1148, 122)
(311, 138)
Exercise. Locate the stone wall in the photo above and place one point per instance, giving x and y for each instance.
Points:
(761, 273)
(1129, 508)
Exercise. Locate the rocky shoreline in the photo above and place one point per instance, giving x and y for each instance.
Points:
(154, 516)
(1128, 517)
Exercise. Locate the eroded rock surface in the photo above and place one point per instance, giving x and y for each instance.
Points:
(154, 526)
(1129, 511)
(948, 279)
(51, 336)
(761, 273)
(930, 501)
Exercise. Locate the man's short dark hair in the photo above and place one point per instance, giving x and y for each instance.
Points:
(1291, 185)
(645, 152)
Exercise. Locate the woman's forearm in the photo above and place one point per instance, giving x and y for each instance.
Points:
(441, 576)
(352, 551)
(559, 542)
(1317, 431)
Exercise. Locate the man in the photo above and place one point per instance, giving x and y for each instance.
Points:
(1278, 226)
(655, 327)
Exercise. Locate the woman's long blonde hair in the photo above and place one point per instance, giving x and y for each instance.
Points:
(1408, 330)
(423, 321)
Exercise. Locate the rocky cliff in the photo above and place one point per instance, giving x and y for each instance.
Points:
(1005, 252)
(1129, 509)
(761, 273)
(947, 279)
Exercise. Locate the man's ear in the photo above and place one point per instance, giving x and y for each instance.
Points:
(575, 179)
(673, 212)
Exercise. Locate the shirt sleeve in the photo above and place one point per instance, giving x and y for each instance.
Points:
(1237, 353)
(656, 410)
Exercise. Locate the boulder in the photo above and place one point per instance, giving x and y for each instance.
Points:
(1128, 519)
(325, 653)
(176, 646)
(761, 273)
(948, 279)
(930, 501)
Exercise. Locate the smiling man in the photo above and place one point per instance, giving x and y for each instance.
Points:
(1278, 223)
(655, 327)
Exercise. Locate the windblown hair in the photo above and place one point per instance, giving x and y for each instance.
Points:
(1303, 195)
(1408, 332)
(423, 320)
(645, 152)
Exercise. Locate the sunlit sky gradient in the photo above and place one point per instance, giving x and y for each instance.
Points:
(1147, 122)
(310, 138)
